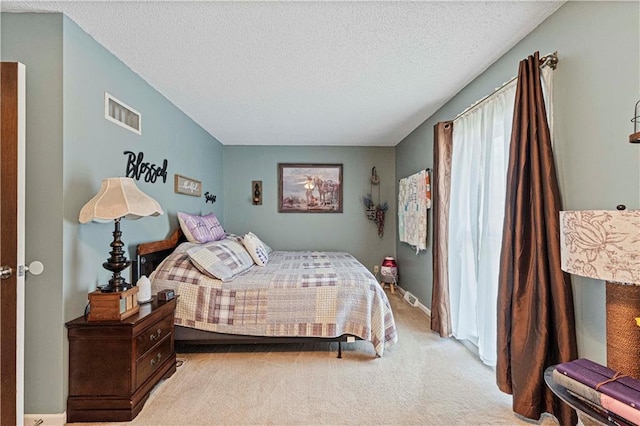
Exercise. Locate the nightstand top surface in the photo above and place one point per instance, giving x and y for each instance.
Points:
(146, 309)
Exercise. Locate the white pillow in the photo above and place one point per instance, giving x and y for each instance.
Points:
(256, 249)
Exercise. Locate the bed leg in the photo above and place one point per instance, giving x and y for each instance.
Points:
(339, 349)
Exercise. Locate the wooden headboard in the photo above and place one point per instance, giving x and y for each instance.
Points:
(149, 255)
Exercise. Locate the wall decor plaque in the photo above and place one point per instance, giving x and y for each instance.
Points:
(187, 186)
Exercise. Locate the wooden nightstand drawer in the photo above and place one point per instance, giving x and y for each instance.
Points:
(153, 335)
(114, 365)
(153, 360)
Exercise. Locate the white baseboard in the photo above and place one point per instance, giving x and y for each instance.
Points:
(59, 419)
(424, 309)
(420, 306)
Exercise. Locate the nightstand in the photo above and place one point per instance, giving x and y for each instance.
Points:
(114, 365)
(587, 415)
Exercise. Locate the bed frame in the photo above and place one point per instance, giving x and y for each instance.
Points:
(148, 257)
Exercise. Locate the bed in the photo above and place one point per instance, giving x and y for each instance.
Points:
(295, 297)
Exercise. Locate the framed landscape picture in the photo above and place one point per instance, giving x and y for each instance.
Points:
(309, 188)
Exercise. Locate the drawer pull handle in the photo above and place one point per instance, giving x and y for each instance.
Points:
(154, 361)
(156, 335)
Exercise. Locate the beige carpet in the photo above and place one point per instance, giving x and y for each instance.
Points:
(422, 380)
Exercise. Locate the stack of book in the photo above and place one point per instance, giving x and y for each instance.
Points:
(611, 393)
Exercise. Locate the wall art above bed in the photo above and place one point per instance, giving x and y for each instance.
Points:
(309, 188)
(138, 169)
(187, 186)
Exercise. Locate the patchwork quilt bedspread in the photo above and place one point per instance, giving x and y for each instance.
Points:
(310, 294)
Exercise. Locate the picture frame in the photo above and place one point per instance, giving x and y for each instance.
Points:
(309, 188)
(187, 186)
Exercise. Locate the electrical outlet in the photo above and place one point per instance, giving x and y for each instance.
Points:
(376, 268)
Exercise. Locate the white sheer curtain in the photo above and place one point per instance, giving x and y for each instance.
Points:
(478, 183)
(546, 74)
(479, 160)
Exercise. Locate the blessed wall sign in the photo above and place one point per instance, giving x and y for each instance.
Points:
(138, 169)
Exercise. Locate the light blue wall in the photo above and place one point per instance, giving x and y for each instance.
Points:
(596, 88)
(349, 231)
(37, 42)
(70, 149)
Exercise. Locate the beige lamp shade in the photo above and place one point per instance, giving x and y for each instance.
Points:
(119, 197)
(605, 245)
(601, 244)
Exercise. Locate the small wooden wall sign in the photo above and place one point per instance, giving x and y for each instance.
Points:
(187, 186)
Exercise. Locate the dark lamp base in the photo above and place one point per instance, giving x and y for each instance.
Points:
(116, 263)
(113, 289)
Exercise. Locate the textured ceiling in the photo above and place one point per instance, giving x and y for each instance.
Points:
(305, 73)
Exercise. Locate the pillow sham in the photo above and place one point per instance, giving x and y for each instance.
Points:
(234, 237)
(200, 229)
(256, 249)
(222, 259)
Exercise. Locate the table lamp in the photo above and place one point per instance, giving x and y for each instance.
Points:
(118, 198)
(605, 245)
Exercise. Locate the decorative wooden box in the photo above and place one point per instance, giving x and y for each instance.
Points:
(114, 306)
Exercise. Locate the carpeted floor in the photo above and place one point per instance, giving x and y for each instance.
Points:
(422, 380)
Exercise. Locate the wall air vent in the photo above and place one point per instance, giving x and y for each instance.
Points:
(122, 114)
(410, 298)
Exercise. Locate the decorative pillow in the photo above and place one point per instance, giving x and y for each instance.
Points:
(221, 259)
(266, 247)
(256, 249)
(200, 229)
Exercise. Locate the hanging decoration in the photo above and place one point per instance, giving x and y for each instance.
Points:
(635, 136)
(375, 211)
(414, 202)
(210, 197)
(138, 169)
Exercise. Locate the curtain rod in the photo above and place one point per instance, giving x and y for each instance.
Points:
(550, 60)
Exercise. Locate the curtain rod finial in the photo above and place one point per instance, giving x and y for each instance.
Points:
(551, 60)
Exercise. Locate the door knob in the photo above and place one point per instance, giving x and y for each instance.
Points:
(5, 272)
(35, 268)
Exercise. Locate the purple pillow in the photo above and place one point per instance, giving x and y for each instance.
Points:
(200, 229)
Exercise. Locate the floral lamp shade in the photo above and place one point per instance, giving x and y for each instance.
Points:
(605, 245)
(601, 244)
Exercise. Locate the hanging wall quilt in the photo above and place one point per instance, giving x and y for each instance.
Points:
(414, 200)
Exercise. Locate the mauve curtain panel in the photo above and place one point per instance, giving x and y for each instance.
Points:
(442, 150)
(536, 326)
